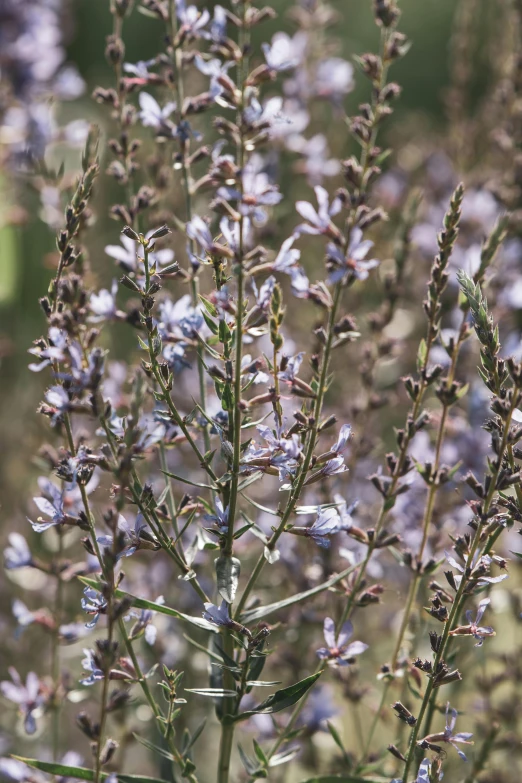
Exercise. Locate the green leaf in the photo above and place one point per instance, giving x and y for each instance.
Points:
(280, 700)
(187, 481)
(154, 748)
(263, 611)
(80, 773)
(142, 603)
(227, 575)
(219, 693)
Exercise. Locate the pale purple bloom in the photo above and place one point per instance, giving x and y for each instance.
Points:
(333, 78)
(17, 554)
(217, 72)
(318, 221)
(423, 775)
(473, 628)
(22, 614)
(103, 304)
(280, 55)
(93, 603)
(338, 652)
(218, 615)
(52, 352)
(484, 562)
(90, 666)
(199, 231)
(288, 256)
(449, 736)
(218, 26)
(139, 69)
(28, 696)
(220, 518)
(58, 399)
(130, 256)
(292, 368)
(263, 295)
(153, 116)
(345, 434)
(328, 523)
(317, 164)
(333, 467)
(144, 623)
(257, 192)
(353, 260)
(51, 506)
(192, 19)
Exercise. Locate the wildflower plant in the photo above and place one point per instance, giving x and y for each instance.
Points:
(185, 474)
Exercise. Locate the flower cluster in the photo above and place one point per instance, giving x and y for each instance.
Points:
(247, 395)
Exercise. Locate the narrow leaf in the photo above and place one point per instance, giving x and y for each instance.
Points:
(81, 773)
(263, 611)
(286, 697)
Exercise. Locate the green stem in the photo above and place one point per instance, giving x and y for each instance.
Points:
(460, 596)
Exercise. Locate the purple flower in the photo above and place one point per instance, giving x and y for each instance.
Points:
(257, 192)
(220, 518)
(93, 603)
(90, 665)
(22, 614)
(192, 19)
(327, 524)
(153, 116)
(52, 506)
(28, 697)
(17, 554)
(130, 256)
(473, 628)
(315, 151)
(218, 73)
(280, 54)
(103, 304)
(338, 652)
(139, 69)
(353, 260)
(333, 78)
(345, 433)
(144, 624)
(218, 615)
(462, 737)
(292, 367)
(263, 295)
(318, 221)
(287, 257)
(53, 351)
(479, 570)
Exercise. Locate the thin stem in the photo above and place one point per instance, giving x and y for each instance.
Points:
(460, 596)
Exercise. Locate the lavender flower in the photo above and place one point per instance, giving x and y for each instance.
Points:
(473, 628)
(338, 652)
(93, 603)
(328, 523)
(29, 697)
(153, 116)
(461, 738)
(90, 665)
(220, 518)
(17, 554)
(218, 615)
(353, 260)
(318, 221)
